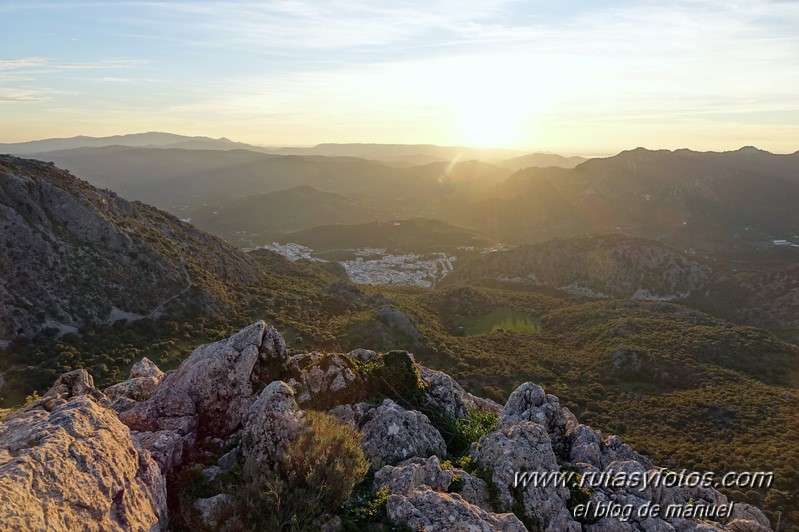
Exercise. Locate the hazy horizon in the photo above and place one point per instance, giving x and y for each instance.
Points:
(571, 79)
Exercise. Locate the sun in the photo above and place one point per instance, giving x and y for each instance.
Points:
(489, 127)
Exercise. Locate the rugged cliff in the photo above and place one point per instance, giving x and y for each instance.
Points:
(246, 435)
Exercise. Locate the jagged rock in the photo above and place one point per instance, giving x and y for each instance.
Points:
(352, 414)
(444, 393)
(425, 509)
(325, 379)
(136, 389)
(183, 402)
(529, 402)
(363, 355)
(410, 474)
(747, 517)
(73, 465)
(215, 511)
(145, 368)
(525, 447)
(165, 446)
(746, 525)
(392, 434)
(272, 423)
(475, 490)
(229, 459)
(588, 447)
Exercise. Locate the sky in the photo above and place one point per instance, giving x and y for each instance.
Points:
(573, 77)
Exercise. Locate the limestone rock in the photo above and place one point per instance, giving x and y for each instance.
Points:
(325, 379)
(410, 474)
(74, 466)
(587, 446)
(209, 395)
(475, 490)
(271, 424)
(145, 368)
(136, 389)
(392, 434)
(525, 447)
(529, 402)
(425, 509)
(444, 393)
(363, 355)
(215, 511)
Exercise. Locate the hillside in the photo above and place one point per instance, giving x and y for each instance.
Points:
(178, 179)
(621, 267)
(727, 205)
(413, 235)
(74, 254)
(608, 266)
(254, 220)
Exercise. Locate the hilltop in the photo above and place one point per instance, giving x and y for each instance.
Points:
(240, 437)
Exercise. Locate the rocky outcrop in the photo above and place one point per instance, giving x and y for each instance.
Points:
(144, 377)
(410, 474)
(208, 396)
(391, 434)
(325, 379)
(525, 447)
(272, 422)
(445, 394)
(67, 463)
(426, 509)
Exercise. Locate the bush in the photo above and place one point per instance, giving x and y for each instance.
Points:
(315, 475)
(397, 377)
(459, 434)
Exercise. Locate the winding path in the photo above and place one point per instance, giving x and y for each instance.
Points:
(155, 312)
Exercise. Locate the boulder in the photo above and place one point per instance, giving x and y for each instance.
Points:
(444, 393)
(529, 402)
(392, 434)
(68, 463)
(145, 368)
(325, 380)
(214, 512)
(271, 424)
(525, 447)
(587, 446)
(410, 474)
(425, 509)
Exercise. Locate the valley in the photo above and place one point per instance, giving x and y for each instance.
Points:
(621, 328)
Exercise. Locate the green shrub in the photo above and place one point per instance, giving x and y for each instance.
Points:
(397, 377)
(459, 434)
(315, 475)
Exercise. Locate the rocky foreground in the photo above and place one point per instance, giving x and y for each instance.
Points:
(82, 459)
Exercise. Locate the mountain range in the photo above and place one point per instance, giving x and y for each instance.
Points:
(94, 281)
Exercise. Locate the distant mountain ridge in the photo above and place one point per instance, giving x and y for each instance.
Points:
(138, 140)
(717, 202)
